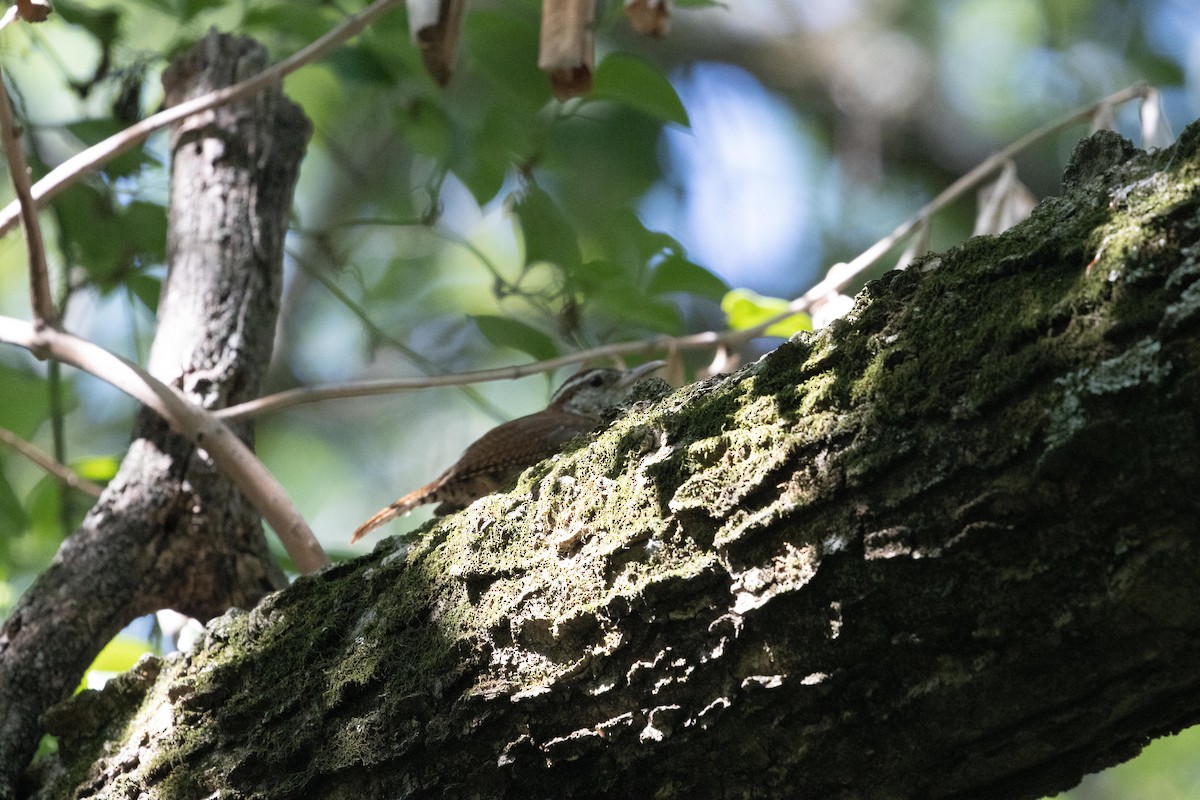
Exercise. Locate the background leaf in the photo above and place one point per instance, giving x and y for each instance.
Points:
(508, 332)
(745, 309)
(629, 80)
(676, 274)
(501, 48)
(548, 235)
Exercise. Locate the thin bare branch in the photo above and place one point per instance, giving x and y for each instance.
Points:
(75, 167)
(378, 334)
(840, 275)
(316, 394)
(227, 451)
(46, 461)
(44, 313)
(836, 279)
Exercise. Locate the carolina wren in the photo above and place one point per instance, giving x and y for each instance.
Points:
(508, 449)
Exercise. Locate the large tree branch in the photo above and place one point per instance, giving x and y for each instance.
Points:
(946, 548)
(170, 530)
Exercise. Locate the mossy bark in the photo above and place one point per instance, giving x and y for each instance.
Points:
(945, 548)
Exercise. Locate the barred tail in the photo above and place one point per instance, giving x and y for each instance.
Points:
(399, 508)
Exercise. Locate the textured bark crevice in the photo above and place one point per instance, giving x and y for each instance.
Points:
(169, 531)
(946, 548)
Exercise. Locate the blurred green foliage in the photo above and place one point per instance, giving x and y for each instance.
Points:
(1167, 769)
(746, 309)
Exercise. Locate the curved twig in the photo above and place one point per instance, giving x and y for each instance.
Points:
(44, 313)
(841, 274)
(76, 166)
(47, 462)
(227, 451)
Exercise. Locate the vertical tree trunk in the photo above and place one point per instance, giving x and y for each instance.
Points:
(170, 531)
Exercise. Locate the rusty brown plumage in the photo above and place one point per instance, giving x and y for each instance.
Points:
(505, 451)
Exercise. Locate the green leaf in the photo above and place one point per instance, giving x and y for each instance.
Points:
(109, 241)
(169, 7)
(548, 234)
(23, 401)
(629, 80)
(118, 656)
(606, 157)
(508, 332)
(495, 99)
(635, 308)
(651, 244)
(44, 504)
(103, 23)
(145, 226)
(677, 274)
(146, 288)
(98, 469)
(193, 7)
(746, 309)
(502, 47)
(609, 287)
(357, 64)
(482, 161)
(86, 225)
(12, 521)
(93, 131)
(425, 127)
(318, 91)
(286, 22)
(600, 275)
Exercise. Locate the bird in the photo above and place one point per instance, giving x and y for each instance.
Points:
(508, 449)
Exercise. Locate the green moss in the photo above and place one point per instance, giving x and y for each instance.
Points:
(518, 589)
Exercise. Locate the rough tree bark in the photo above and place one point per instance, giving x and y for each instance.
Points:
(169, 531)
(946, 548)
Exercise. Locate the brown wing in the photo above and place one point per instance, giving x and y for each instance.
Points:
(521, 443)
(489, 463)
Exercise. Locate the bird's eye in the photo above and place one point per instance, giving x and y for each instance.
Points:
(596, 381)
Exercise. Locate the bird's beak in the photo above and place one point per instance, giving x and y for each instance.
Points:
(642, 370)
